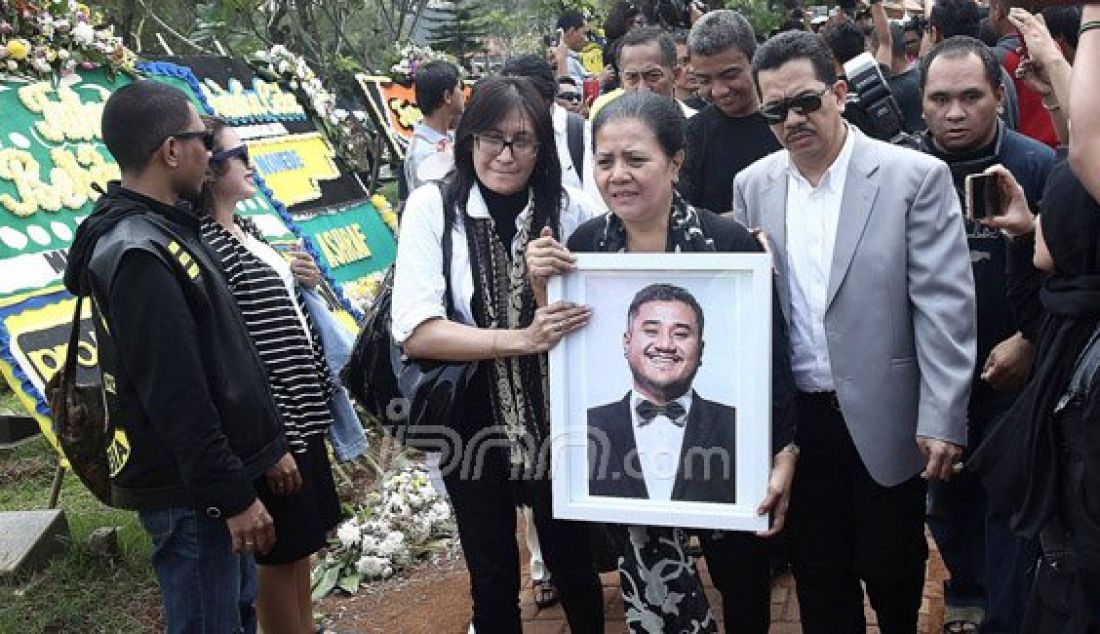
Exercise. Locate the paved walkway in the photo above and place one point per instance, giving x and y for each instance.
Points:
(785, 618)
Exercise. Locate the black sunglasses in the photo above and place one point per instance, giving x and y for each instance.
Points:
(206, 135)
(575, 97)
(240, 151)
(802, 104)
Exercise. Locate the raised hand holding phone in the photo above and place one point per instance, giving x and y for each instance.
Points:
(1014, 217)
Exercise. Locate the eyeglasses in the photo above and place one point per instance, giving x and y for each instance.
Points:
(241, 151)
(802, 104)
(494, 145)
(651, 76)
(572, 96)
(206, 135)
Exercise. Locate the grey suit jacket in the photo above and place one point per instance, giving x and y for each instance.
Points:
(900, 318)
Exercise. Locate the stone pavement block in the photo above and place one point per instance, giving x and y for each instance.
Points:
(545, 627)
(785, 628)
(29, 538)
(615, 627)
(552, 613)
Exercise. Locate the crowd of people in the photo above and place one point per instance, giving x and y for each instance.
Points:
(930, 366)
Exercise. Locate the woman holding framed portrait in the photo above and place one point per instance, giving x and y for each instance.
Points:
(639, 149)
(506, 185)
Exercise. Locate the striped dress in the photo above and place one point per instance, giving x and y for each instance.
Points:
(283, 333)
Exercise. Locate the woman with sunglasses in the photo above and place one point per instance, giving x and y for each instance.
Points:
(299, 491)
(506, 188)
(639, 149)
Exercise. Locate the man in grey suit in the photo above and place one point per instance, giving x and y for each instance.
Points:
(875, 284)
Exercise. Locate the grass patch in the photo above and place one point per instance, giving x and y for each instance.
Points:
(78, 591)
(8, 402)
(388, 188)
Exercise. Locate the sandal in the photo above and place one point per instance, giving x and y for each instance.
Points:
(544, 592)
(963, 620)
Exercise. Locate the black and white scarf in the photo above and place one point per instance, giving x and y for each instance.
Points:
(685, 232)
(519, 385)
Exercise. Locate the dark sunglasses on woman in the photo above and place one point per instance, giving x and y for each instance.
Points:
(571, 96)
(803, 104)
(241, 151)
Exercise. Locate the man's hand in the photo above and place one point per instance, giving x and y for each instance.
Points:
(1009, 363)
(252, 530)
(284, 477)
(779, 492)
(942, 457)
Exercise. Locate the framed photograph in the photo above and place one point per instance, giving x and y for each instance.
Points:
(661, 405)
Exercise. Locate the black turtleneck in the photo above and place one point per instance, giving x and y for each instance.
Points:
(504, 208)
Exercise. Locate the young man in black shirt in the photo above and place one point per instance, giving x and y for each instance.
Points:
(729, 134)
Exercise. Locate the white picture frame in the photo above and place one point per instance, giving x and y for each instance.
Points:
(588, 369)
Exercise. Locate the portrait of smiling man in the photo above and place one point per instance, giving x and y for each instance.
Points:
(662, 440)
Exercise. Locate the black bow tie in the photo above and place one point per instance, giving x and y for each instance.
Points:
(647, 411)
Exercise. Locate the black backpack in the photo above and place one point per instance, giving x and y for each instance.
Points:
(574, 134)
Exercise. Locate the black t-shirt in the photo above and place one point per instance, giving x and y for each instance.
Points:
(695, 102)
(718, 147)
(906, 88)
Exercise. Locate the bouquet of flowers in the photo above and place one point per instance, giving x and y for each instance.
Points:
(38, 39)
(403, 522)
(411, 56)
(349, 137)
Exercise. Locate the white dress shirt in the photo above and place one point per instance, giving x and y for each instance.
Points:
(418, 284)
(659, 443)
(812, 217)
(582, 178)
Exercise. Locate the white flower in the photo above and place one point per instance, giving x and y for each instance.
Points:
(374, 567)
(419, 529)
(395, 539)
(440, 512)
(370, 544)
(348, 533)
(83, 34)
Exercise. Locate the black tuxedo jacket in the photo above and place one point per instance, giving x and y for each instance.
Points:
(707, 458)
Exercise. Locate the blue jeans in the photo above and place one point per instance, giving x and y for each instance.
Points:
(204, 586)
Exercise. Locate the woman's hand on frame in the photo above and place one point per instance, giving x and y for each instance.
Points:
(546, 257)
(553, 322)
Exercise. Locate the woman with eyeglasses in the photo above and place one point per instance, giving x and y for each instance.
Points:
(505, 190)
(299, 491)
(639, 149)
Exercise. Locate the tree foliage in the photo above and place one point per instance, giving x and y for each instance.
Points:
(335, 36)
(460, 28)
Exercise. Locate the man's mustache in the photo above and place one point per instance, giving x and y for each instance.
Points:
(801, 129)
